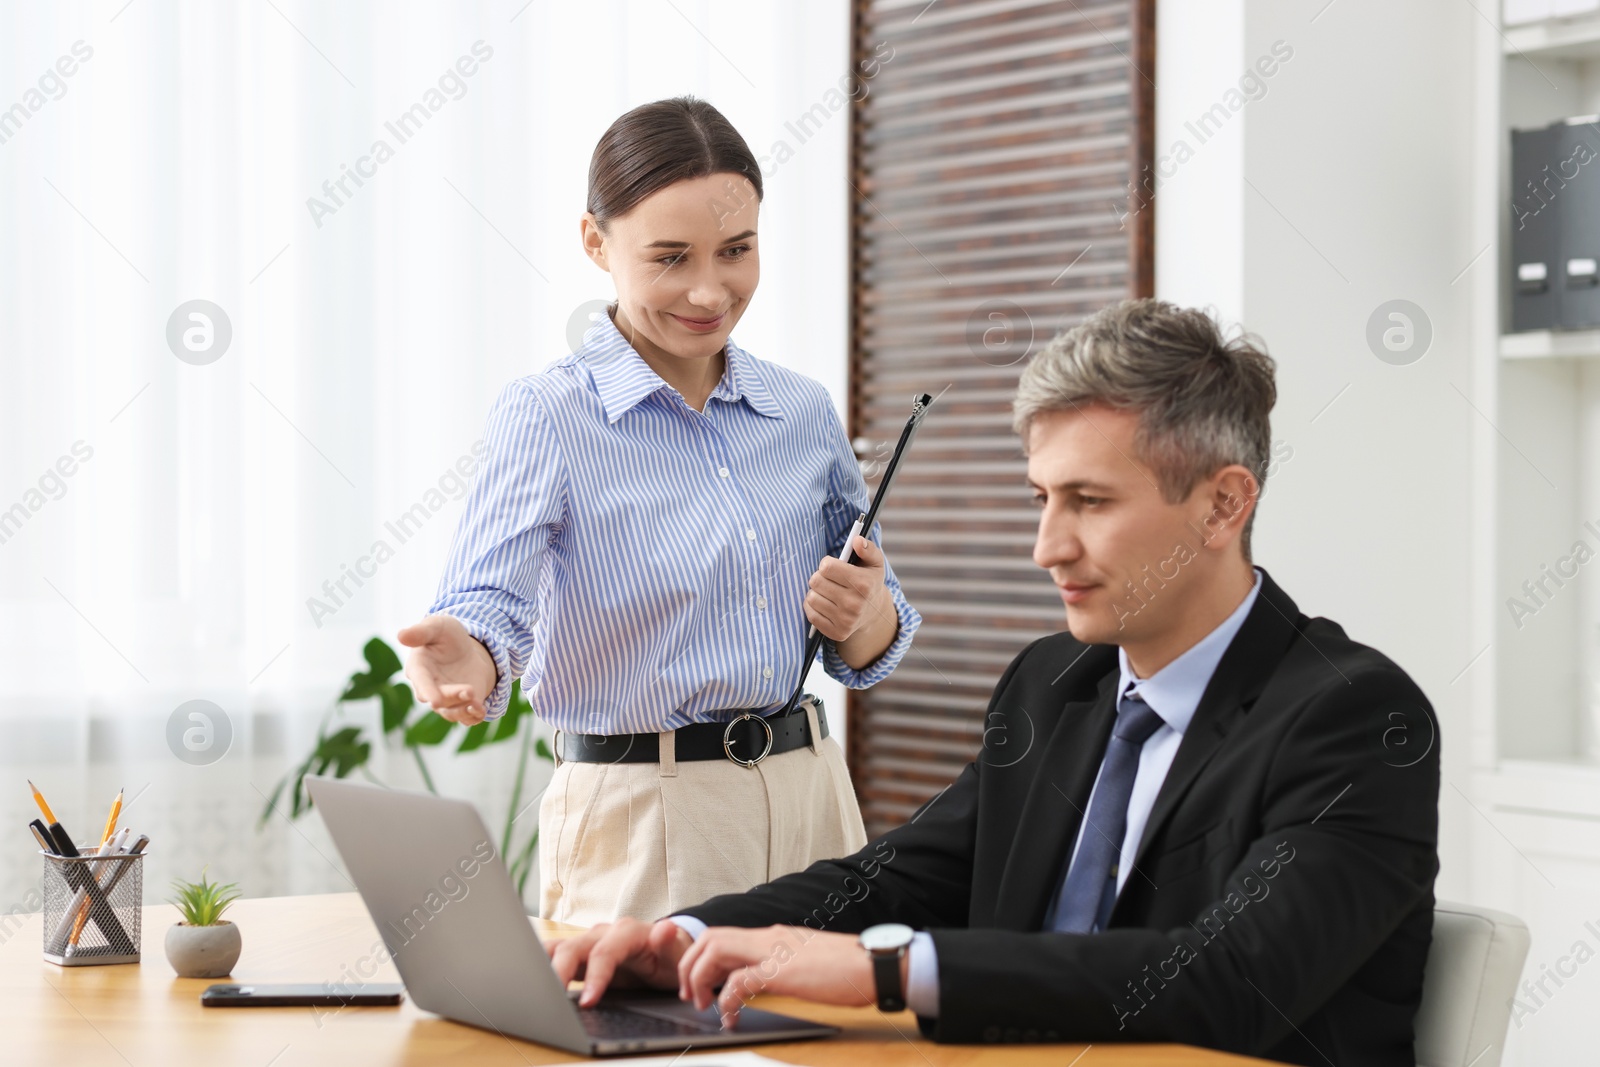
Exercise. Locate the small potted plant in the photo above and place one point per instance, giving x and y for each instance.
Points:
(203, 944)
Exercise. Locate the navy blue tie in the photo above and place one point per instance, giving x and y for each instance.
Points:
(1090, 887)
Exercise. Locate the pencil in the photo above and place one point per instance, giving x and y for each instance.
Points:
(38, 798)
(111, 820)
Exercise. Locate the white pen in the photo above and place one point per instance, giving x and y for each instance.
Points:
(855, 528)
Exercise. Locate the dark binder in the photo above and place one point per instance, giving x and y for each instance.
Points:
(1536, 200)
(1578, 223)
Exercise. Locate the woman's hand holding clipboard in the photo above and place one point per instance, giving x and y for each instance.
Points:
(862, 526)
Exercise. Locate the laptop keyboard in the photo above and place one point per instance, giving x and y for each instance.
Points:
(603, 1022)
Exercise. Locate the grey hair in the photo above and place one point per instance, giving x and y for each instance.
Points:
(1203, 400)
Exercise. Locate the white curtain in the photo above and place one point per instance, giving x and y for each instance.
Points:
(179, 525)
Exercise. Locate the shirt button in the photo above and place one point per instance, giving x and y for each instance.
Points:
(723, 471)
(761, 602)
(766, 672)
(750, 535)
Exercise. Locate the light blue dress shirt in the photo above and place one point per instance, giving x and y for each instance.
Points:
(642, 565)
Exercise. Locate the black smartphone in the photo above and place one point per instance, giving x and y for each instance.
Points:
(324, 995)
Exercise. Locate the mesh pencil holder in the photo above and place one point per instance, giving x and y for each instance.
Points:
(92, 906)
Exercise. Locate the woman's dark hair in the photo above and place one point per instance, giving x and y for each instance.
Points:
(655, 145)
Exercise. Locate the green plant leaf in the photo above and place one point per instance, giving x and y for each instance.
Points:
(428, 730)
(505, 727)
(397, 704)
(294, 781)
(381, 658)
(382, 663)
(475, 737)
(362, 687)
(344, 751)
(348, 750)
(516, 708)
(202, 903)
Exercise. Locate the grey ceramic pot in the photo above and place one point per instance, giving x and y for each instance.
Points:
(203, 951)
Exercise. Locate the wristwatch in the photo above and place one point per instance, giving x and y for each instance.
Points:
(886, 943)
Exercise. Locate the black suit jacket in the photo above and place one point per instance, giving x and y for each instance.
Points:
(1281, 903)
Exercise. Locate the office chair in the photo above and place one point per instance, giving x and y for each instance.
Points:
(1473, 969)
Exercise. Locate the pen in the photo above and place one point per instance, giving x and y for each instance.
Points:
(43, 836)
(64, 845)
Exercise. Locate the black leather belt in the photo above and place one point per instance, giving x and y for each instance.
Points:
(747, 739)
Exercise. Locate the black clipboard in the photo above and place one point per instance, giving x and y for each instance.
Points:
(919, 410)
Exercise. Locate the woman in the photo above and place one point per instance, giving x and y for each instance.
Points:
(654, 526)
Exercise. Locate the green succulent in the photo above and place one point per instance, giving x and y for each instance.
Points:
(202, 903)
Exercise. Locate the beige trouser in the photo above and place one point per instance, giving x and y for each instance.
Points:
(648, 839)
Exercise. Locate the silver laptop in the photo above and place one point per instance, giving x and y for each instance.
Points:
(437, 889)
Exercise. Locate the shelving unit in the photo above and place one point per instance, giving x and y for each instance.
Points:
(1530, 813)
(1551, 344)
(1535, 830)
(1545, 479)
(1568, 38)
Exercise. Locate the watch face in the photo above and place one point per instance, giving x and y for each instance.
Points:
(886, 936)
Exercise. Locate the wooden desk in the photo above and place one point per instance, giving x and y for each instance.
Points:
(144, 1016)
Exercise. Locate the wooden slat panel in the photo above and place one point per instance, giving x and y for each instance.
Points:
(992, 161)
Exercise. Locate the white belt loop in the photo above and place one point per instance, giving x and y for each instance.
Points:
(668, 755)
(811, 722)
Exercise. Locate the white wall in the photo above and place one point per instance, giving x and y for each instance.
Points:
(1361, 161)
(1199, 187)
(1338, 188)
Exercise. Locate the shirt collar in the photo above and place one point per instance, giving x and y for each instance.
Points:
(1175, 690)
(623, 379)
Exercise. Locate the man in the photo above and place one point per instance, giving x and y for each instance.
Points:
(1224, 829)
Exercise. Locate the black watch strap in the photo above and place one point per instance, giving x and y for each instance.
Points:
(886, 973)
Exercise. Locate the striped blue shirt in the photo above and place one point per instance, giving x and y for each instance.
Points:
(641, 565)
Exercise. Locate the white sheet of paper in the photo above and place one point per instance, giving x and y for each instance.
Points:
(701, 1059)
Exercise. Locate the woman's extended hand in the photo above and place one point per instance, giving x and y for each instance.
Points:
(450, 670)
(852, 607)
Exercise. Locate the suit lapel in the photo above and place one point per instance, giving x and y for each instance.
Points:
(1054, 807)
(1240, 676)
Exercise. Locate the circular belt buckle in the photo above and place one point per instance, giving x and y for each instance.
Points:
(727, 740)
